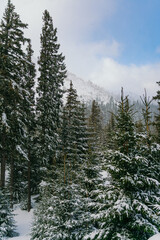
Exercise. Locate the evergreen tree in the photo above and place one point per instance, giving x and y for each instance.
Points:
(131, 199)
(28, 168)
(95, 119)
(22, 168)
(7, 224)
(125, 136)
(130, 207)
(157, 117)
(31, 171)
(57, 215)
(92, 195)
(109, 133)
(49, 101)
(65, 200)
(86, 169)
(12, 62)
(85, 175)
(147, 117)
(73, 140)
(139, 126)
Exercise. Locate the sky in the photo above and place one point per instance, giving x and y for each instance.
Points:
(113, 43)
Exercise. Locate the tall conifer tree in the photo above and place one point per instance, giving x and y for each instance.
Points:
(63, 195)
(27, 169)
(49, 101)
(125, 136)
(95, 119)
(147, 119)
(157, 117)
(12, 61)
(71, 130)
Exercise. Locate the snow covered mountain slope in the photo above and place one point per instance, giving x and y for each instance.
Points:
(86, 90)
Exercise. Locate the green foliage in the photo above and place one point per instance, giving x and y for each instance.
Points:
(14, 94)
(146, 111)
(157, 117)
(74, 135)
(7, 224)
(95, 119)
(129, 205)
(49, 102)
(131, 199)
(57, 216)
(67, 199)
(109, 133)
(125, 137)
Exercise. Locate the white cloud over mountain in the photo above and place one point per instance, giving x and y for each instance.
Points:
(113, 75)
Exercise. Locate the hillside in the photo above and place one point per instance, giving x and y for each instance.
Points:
(86, 90)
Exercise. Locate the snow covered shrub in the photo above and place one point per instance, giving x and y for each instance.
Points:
(59, 215)
(132, 199)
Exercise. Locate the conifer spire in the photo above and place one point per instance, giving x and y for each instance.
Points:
(50, 92)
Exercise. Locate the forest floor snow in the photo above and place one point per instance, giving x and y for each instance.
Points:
(23, 224)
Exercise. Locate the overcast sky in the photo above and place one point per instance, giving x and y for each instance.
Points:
(113, 43)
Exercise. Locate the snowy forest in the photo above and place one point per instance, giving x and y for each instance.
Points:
(89, 180)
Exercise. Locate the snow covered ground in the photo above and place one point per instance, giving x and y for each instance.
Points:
(155, 237)
(23, 222)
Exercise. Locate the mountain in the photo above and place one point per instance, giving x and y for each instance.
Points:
(86, 90)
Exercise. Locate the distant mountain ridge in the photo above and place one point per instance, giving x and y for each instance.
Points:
(86, 90)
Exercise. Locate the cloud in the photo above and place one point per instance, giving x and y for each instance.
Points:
(113, 75)
(83, 58)
(105, 48)
(76, 22)
(74, 19)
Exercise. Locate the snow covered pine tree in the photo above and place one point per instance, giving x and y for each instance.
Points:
(132, 198)
(49, 101)
(13, 60)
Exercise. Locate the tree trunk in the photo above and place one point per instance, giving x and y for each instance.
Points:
(3, 169)
(29, 185)
(3, 164)
(64, 168)
(12, 181)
